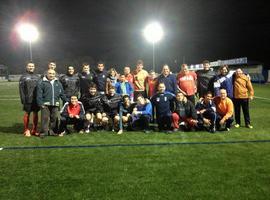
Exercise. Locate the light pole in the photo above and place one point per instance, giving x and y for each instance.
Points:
(28, 33)
(153, 33)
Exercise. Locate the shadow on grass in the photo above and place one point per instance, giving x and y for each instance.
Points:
(16, 128)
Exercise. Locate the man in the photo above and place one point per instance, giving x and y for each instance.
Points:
(142, 114)
(123, 87)
(187, 83)
(184, 113)
(206, 111)
(111, 106)
(28, 92)
(72, 113)
(92, 102)
(168, 79)
(70, 82)
(51, 65)
(100, 78)
(49, 92)
(224, 106)
(86, 79)
(129, 76)
(125, 112)
(224, 80)
(162, 102)
(139, 80)
(243, 92)
(150, 84)
(205, 79)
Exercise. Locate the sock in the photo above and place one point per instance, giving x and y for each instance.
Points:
(26, 121)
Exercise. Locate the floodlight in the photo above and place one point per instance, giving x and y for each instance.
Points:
(153, 32)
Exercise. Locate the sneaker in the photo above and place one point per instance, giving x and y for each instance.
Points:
(62, 134)
(212, 130)
(87, 130)
(236, 125)
(81, 131)
(27, 133)
(35, 133)
(175, 130)
(120, 132)
(227, 129)
(146, 131)
(249, 126)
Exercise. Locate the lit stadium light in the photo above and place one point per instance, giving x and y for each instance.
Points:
(28, 33)
(153, 33)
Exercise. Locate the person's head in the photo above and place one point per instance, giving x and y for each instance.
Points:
(166, 70)
(206, 65)
(184, 68)
(101, 66)
(238, 72)
(50, 74)
(180, 96)
(111, 90)
(73, 100)
(112, 72)
(85, 68)
(126, 70)
(122, 78)
(208, 97)
(141, 100)
(139, 65)
(152, 74)
(223, 94)
(126, 100)
(93, 89)
(70, 70)
(161, 87)
(30, 67)
(52, 65)
(223, 70)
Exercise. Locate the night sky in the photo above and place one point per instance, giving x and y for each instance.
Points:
(75, 31)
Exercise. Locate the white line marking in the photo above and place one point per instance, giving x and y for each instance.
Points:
(262, 98)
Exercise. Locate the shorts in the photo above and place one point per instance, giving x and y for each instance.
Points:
(31, 107)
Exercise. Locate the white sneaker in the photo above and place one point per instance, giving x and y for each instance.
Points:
(120, 132)
(62, 134)
(87, 130)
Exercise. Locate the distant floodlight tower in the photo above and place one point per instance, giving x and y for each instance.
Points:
(28, 33)
(153, 33)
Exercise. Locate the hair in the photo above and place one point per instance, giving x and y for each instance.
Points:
(205, 62)
(29, 62)
(101, 62)
(139, 62)
(140, 95)
(151, 71)
(111, 70)
(208, 92)
(85, 64)
(222, 66)
(179, 92)
(124, 97)
(111, 87)
(70, 66)
(92, 85)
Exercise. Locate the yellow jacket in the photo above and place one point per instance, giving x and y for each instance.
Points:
(242, 87)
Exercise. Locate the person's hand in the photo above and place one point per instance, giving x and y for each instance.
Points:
(206, 121)
(71, 116)
(202, 111)
(221, 122)
(251, 98)
(77, 116)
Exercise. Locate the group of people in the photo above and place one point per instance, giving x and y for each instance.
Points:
(97, 99)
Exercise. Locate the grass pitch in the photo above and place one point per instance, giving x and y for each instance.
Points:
(193, 171)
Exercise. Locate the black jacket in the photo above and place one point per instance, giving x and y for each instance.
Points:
(28, 88)
(71, 84)
(93, 104)
(112, 103)
(187, 107)
(85, 81)
(100, 79)
(205, 81)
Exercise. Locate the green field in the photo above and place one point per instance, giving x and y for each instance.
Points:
(127, 168)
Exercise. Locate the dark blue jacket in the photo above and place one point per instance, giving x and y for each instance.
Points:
(100, 80)
(169, 81)
(224, 82)
(163, 103)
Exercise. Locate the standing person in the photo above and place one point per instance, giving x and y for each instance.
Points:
(86, 79)
(51, 65)
(243, 92)
(205, 79)
(100, 77)
(72, 113)
(123, 87)
(162, 101)
(184, 112)
(112, 79)
(224, 106)
(142, 114)
(70, 82)
(129, 76)
(169, 79)
(224, 80)
(187, 83)
(150, 84)
(139, 80)
(49, 92)
(206, 111)
(28, 93)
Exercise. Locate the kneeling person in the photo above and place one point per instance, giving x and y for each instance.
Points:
(72, 113)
